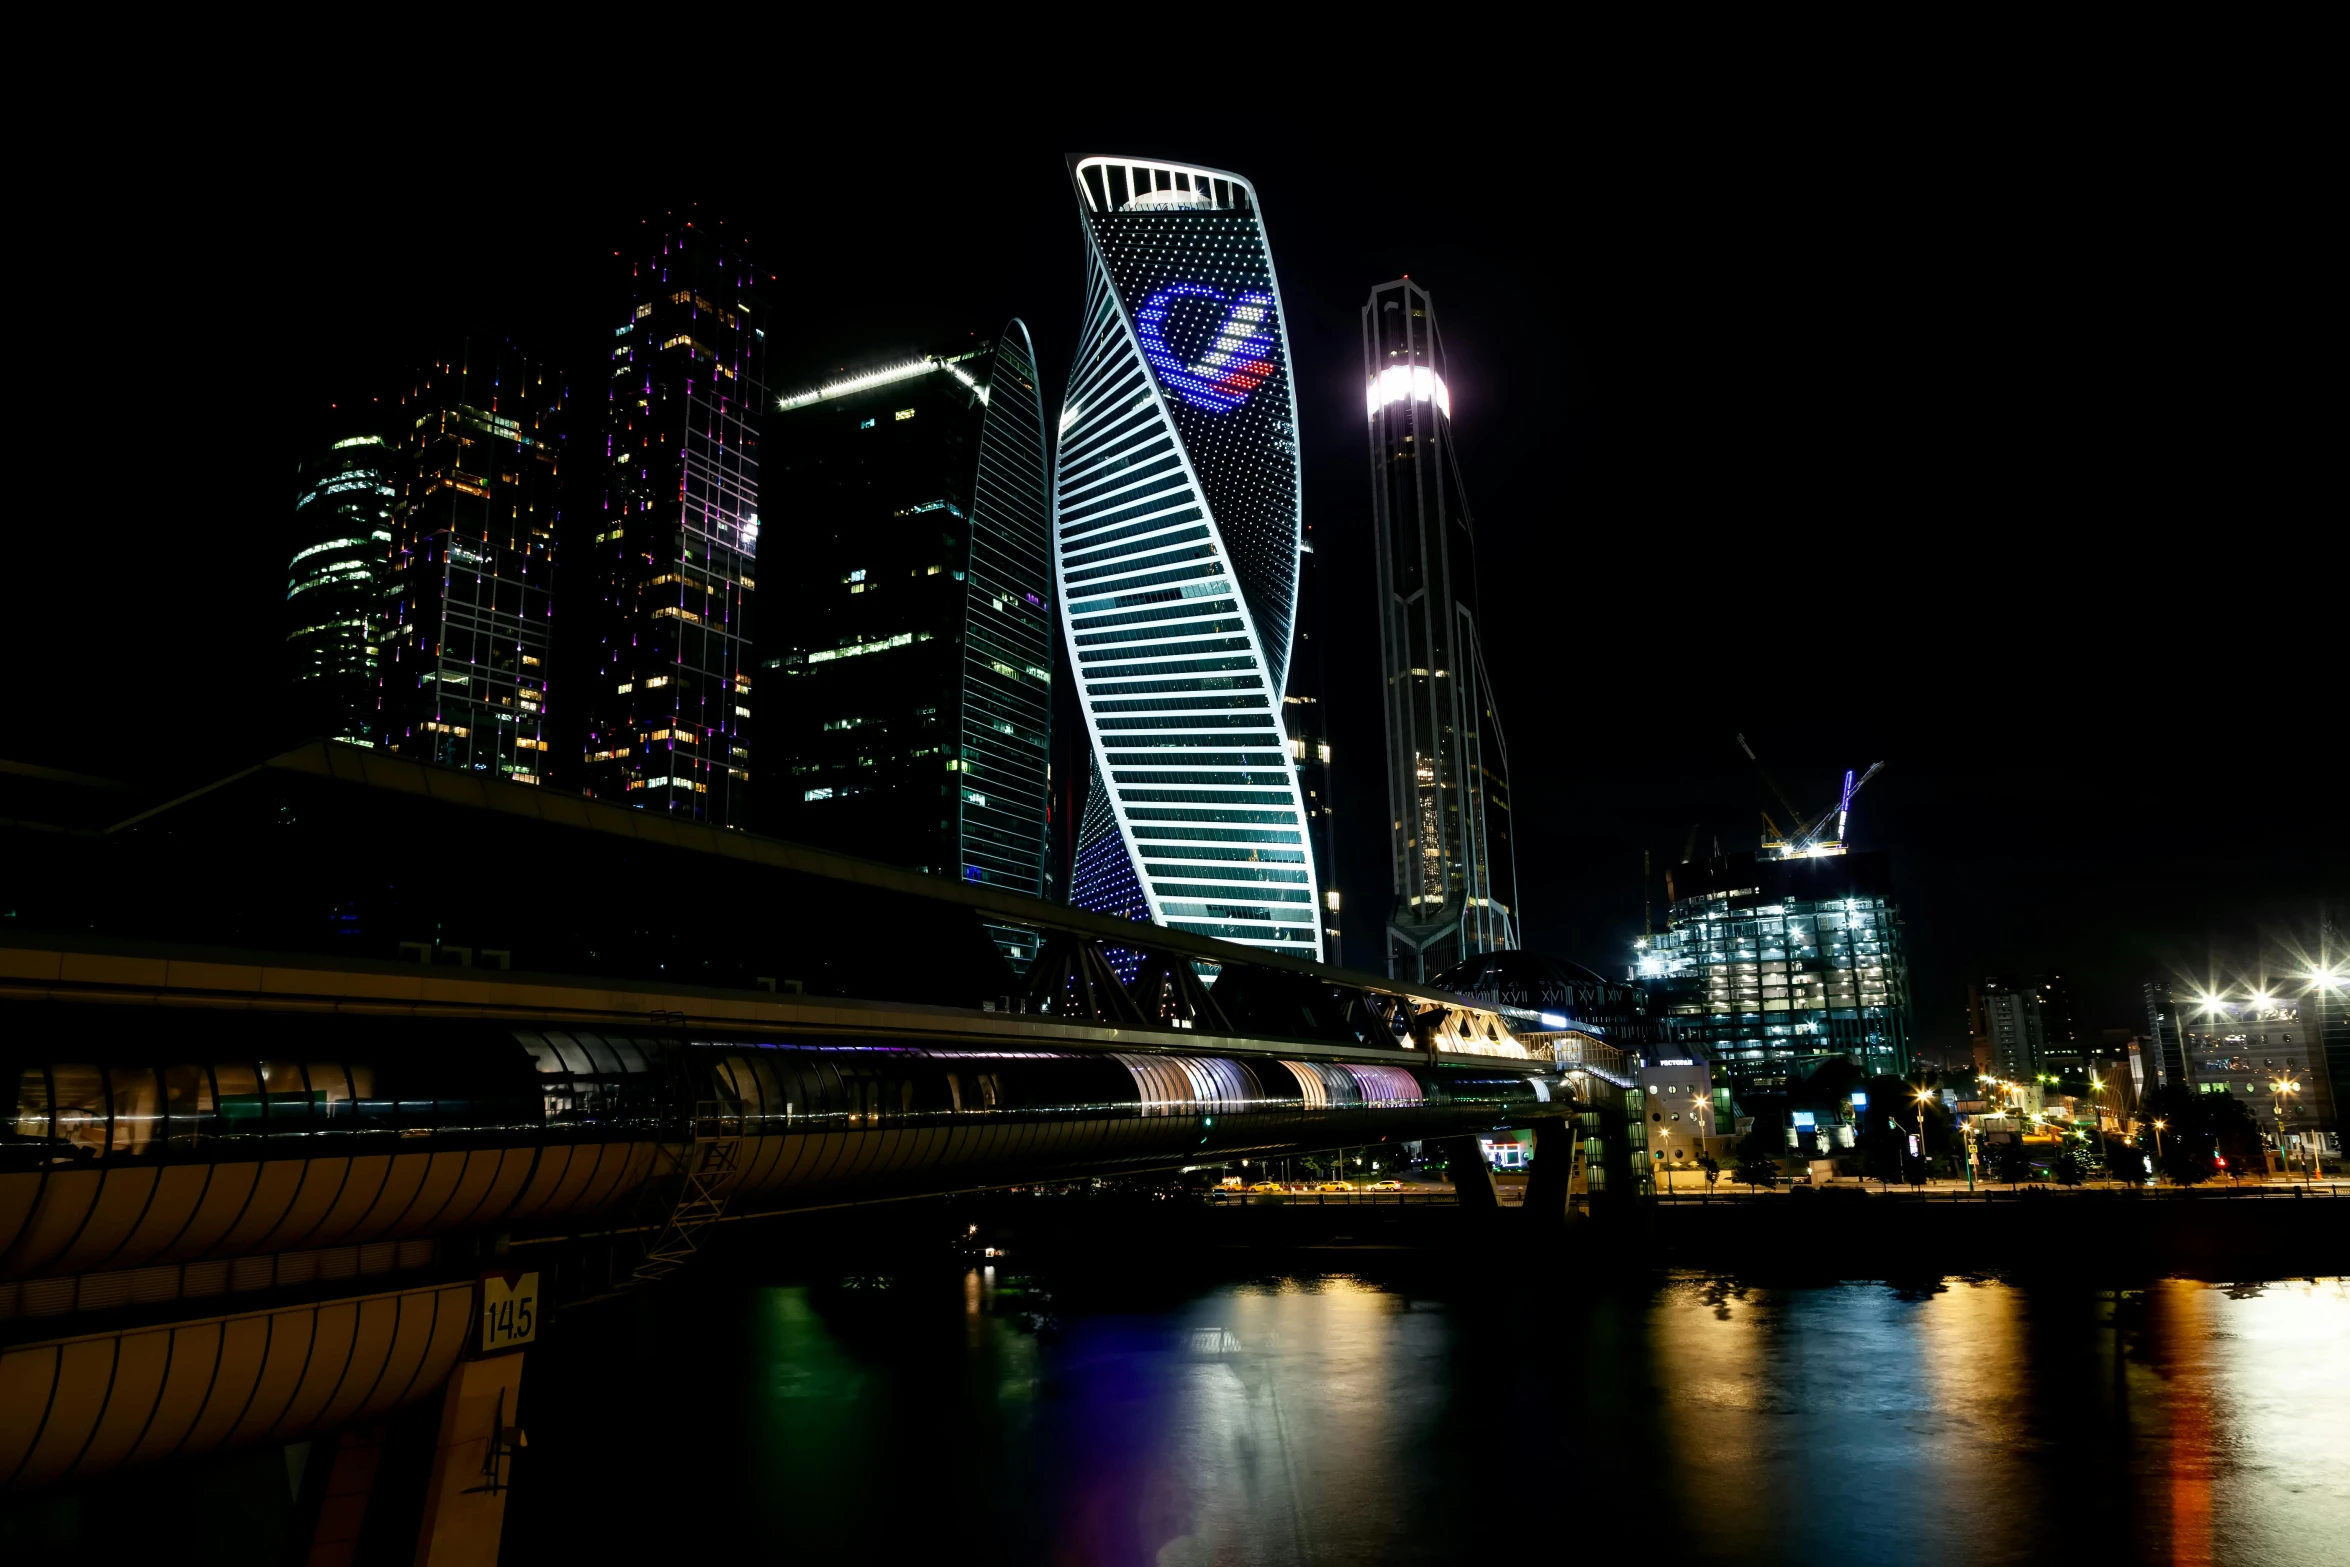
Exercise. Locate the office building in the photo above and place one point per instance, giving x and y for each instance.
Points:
(1306, 719)
(1766, 964)
(2024, 1028)
(1176, 536)
(1454, 867)
(2165, 1037)
(469, 601)
(909, 693)
(2245, 1043)
(666, 554)
(342, 547)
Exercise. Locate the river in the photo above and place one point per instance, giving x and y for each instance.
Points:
(1423, 1417)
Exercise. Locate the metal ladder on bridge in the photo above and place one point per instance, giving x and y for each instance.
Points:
(706, 1168)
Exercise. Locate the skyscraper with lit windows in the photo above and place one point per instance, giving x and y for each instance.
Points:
(1175, 550)
(469, 601)
(1454, 864)
(1767, 964)
(666, 556)
(334, 588)
(909, 695)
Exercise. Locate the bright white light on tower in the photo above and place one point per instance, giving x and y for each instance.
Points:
(1417, 382)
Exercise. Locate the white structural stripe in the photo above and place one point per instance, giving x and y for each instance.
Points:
(1200, 179)
(1125, 481)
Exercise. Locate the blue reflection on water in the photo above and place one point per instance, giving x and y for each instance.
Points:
(1338, 1419)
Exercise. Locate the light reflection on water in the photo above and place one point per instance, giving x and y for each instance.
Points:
(1343, 1420)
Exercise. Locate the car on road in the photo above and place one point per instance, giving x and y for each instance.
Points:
(1333, 1186)
(1384, 1186)
(1267, 1186)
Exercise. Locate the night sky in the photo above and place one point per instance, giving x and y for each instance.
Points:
(1977, 456)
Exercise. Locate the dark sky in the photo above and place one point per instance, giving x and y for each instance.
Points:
(1978, 453)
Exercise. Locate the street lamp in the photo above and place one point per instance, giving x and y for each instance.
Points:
(2097, 1089)
(2158, 1126)
(2280, 1089)
(1666, 1132)
(1923, 1099)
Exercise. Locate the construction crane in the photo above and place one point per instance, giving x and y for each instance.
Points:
(1811, 837)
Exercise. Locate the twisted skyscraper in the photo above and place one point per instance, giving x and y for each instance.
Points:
(1448, 774)
(1175, 552)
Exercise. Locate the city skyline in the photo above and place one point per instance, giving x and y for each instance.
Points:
(1585, 423)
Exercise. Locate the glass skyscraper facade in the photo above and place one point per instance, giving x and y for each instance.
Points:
(910, 692)
(1307, 721)
(1455, 867)
(1175, 552)
(1767, 964)
(469, 599)
(335, 588)
(667, 560)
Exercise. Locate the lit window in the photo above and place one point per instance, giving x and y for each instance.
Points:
(903, 414)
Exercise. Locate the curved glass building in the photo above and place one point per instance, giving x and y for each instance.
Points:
(335, 586)
(912, 682)
(1175, 552)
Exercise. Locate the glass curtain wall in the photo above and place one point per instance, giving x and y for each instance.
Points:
(1455, 868)
(469, 604)
(335, 586)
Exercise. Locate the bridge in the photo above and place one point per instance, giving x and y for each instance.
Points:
(331, 1080)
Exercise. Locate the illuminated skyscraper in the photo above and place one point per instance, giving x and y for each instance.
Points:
(909, 694)
(1447, 770)
(1176, 539)
(670, 558)
(469, 602)
(1768, 963)
(334, 588)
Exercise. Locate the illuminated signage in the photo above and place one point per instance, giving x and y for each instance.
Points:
(1238, 360)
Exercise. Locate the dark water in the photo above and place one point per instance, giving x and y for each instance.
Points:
(1341, 1418)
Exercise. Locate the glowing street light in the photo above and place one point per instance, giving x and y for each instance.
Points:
(2280, 1089)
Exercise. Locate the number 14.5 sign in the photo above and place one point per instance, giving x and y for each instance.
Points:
(509, 1311)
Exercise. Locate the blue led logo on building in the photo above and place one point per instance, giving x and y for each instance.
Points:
(1238, 360)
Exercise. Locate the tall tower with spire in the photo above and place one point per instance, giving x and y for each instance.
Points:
(1448, 787)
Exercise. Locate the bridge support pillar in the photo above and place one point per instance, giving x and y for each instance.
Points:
(465, 1494)
(1472, 1178)
(357, 1457)
(1550, 1184)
